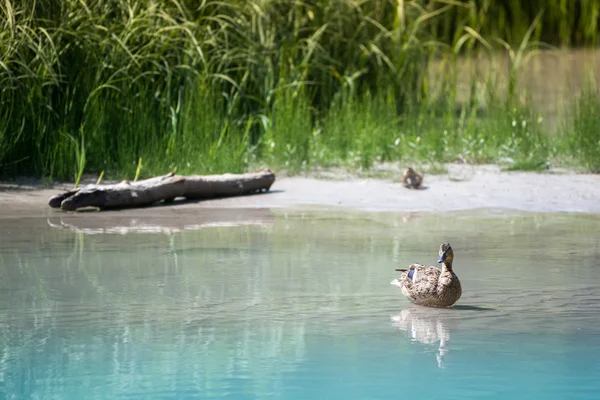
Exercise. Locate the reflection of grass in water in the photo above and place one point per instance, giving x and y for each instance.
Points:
(109, 306)
(114, 264)
(250, 292)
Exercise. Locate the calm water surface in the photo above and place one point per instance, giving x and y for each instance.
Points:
(296, 305)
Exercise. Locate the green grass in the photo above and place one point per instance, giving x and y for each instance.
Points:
(564, 23)
(528, 165)
(211, 87)
(582, 130)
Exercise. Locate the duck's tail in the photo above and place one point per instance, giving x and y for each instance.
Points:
(411, 272)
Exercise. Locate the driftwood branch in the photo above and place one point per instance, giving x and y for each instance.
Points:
(163, 188)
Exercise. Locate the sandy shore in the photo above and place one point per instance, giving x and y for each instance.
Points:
(462, 188)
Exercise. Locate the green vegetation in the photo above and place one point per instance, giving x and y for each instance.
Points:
(208, 87)
(582, 133)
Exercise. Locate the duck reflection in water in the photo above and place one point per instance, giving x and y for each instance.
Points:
(428, 326)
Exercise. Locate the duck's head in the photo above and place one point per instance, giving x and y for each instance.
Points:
(409, 172)
(446, 253)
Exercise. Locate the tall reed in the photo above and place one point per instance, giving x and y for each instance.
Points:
(581, 130)
(215, 86)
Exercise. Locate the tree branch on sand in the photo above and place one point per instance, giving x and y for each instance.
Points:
(163, 188)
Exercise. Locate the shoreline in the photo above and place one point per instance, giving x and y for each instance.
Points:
(464, 187)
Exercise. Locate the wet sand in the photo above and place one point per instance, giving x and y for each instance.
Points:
(463, 188)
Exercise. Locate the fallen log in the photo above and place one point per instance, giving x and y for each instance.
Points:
(163, 188)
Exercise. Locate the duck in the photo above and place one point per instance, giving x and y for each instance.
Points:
(431, 286)
(412, 179)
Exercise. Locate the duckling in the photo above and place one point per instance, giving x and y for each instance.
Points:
(431, 286)
(411, 179)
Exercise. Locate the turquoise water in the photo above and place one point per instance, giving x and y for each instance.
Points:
(296, 305)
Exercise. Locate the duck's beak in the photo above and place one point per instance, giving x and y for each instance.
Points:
(442, 257)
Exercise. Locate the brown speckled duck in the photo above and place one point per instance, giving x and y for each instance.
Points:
(431, 286)
(412, 179)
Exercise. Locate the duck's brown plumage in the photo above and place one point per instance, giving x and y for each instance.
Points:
(412, 179)
(431, 286)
